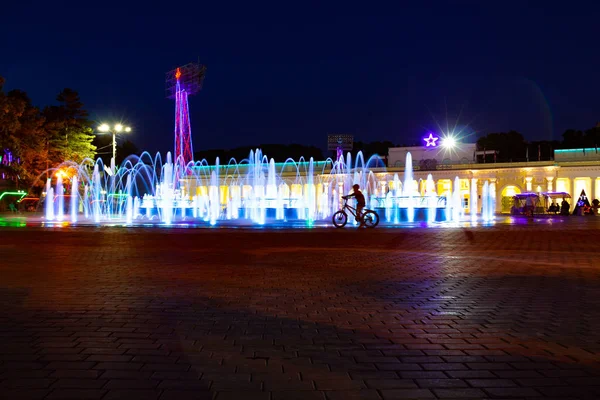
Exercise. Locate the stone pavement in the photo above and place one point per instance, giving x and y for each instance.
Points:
(511, 311)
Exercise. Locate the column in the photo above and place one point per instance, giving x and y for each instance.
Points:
(574, 197)
(549, 183)
(528, 183)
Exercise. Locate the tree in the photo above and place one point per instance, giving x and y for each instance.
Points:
(369, 149)
(22, 136)
(511, 146)
(126, 149)
(279, 152)
(543, 149)
(70, 134)
(591, 137)
(41, 140)
(11, 110)
(573, 139)
(28, 141)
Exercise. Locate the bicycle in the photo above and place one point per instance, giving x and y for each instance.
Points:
(340, 218)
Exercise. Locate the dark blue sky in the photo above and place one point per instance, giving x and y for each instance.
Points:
(287, 72)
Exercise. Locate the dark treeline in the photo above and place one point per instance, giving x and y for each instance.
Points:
(513, 147)
(34, 139)
(369, 149)
(279, 152)
(104, 149)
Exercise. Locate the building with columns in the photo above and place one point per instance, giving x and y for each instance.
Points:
(571, 171)
(317, 186)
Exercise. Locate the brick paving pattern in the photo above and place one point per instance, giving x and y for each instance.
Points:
(504, 312)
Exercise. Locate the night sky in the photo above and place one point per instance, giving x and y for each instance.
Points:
(291, 72)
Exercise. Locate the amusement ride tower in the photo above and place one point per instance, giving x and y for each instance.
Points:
(180, 83)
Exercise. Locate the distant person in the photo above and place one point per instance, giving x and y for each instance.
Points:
(595, 206)
(564, 207)
(529, 205)
(360, 202)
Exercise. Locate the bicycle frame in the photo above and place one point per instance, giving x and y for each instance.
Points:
(351, 209)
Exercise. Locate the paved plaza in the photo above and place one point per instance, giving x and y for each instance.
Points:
(498, 312)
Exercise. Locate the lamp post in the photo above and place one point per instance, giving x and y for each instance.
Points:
(117, 128)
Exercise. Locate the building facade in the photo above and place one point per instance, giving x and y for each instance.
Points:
(319, 185)
(571, 171)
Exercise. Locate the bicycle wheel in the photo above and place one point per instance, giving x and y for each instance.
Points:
(370, 218)
(339, 219)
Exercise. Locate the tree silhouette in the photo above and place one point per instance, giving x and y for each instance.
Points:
(511, 146)
(70, 135)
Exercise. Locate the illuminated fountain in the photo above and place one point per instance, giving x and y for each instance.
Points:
(255, 190)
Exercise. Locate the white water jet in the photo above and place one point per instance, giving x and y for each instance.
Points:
(254, 189)
(96, 194)
(389, 202)
(485, 204)
(431, 197)
(214, 201)
(473, 199)
(395, 202)
(136, 207)
(74, 199)
(129, 202)
(312, 198)
(195, 207)
(167, 189)
(280, 213)
(408, 187)
(492, 194)
(271, 181)
(86, 204)
(60, 199)
(49, 202)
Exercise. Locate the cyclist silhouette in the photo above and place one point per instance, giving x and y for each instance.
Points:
(360, 202)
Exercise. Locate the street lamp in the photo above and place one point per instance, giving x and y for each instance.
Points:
(449, 142)
(117, 128)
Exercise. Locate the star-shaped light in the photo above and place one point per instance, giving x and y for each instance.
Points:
(431, 140)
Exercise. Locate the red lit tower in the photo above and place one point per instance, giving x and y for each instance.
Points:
(180, 83)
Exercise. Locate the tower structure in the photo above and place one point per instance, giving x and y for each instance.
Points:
(340, 143)
(180, 83)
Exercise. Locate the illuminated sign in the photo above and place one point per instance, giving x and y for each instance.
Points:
(431, 141)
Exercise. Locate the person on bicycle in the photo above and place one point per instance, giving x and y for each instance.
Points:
(360, 202)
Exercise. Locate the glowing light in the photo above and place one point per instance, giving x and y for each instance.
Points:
(449, 142)
(178, 74)
(184, 152)
(17, 193)
(431, 140)
(588, 149)
(255, 190)
(104, 128)
(118, 127)
(62, 174)
(127, 129)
